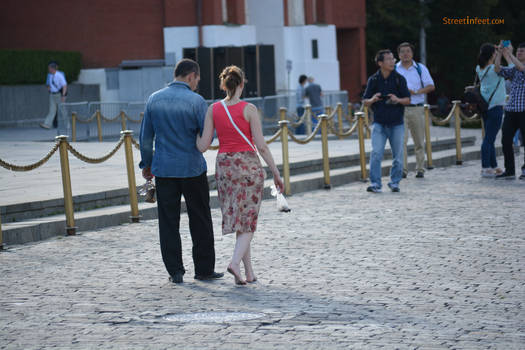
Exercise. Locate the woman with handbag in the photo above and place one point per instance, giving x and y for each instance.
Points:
(238, 171)
(492, 88)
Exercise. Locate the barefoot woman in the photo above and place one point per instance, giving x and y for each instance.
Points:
(239, 174)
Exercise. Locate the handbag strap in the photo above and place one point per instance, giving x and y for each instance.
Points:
(493, 92)
(237, 128)
(477, 76)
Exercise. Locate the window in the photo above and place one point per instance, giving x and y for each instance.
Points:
(315, 50)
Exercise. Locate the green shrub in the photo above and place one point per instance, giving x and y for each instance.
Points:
(30, 66)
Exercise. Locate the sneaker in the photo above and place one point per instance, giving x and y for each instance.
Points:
(488, 172)
(420, 174)
(374, 189)
(394, 188)
(497, 171)
(522, 176)
(44, 126)
(505, 176)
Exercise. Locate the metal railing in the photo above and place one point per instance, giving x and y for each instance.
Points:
(356, 121)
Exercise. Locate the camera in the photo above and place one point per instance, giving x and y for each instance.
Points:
(506, 43)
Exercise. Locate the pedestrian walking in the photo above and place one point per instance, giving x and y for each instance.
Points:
(419, 83)
(314, 93)
(300, 96)
(238, 171)
(57, 88)
(387, 94)
(492, 88)
(515, 107)
(173, 117)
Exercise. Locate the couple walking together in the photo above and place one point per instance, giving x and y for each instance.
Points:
(182, 126)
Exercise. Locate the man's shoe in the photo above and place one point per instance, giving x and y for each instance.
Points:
(522, 176)
(213, 276)
(176, 278)
(44, 126)
(374, 189)
(405, 175)
(394, 188)
(420, 174)
(505, 176)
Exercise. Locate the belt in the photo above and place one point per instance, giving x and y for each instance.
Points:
(417, 105)
(54, 93)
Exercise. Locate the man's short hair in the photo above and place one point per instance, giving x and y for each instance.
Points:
(185, 67)
(521, 45)
(302, 78)
(380, 55)
(53, 64)
(406, 44)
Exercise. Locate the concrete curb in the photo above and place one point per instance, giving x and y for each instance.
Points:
(47, 227)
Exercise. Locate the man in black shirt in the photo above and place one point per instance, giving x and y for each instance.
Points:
(387, 94)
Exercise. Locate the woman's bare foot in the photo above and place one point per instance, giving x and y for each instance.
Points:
(236, 272)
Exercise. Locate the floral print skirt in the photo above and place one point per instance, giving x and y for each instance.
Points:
(240, 182)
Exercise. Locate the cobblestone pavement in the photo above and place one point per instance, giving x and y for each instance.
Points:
(439, 265)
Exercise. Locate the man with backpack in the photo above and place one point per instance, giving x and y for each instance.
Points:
(387, 94)
(419, 83)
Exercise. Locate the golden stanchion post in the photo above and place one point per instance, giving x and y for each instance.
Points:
(457, 121)
(328, 112)
(324, 141)
(123, 120)
(367, 120)
(362, 153)
(340, 118)
(427, 136)
(99, 125)
(66, 184)
(282, 113)
(132, 186)
(482, 128)
(74, 127)
(283, 124)
(308, 120)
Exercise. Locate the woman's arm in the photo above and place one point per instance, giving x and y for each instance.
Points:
(507, 52)
(204, 141)
(250, 113)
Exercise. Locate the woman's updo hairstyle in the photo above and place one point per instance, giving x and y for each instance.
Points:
(231, 77)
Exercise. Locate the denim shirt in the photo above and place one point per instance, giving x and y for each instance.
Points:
(173, 117)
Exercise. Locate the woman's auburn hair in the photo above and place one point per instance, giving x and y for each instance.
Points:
(231, 77)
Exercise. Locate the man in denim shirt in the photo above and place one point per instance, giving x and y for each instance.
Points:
(387, 94)
(173, 117)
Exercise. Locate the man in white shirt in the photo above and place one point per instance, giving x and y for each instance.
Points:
(57, 87)
(419, 83)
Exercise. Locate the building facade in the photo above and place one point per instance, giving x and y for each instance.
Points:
(320, 38)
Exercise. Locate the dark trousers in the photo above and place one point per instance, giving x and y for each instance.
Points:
(197, 196)
(511, 123)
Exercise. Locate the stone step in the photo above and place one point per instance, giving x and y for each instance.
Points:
(40, 209)
(42, 228)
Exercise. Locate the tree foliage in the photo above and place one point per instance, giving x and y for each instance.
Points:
(452, 49)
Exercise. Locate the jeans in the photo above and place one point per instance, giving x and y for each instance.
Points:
(512, 122)
(315, 112)
(395, 136)
(492, 121)
(300, 130)
(197, 196)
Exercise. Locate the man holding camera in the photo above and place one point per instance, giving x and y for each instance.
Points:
(419, 84)
(387, 94)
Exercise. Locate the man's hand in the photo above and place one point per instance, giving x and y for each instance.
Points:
(412, 92)
(394, 98)
(146, 173)
(63, 99)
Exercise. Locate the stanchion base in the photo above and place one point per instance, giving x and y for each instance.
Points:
(327, 187)
(135, 219)
(459, 162)
(71, 231)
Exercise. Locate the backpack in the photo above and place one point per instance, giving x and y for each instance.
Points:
(472, 95)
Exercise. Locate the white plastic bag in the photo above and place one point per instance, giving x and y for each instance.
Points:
(148, 191)
(282, 204)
